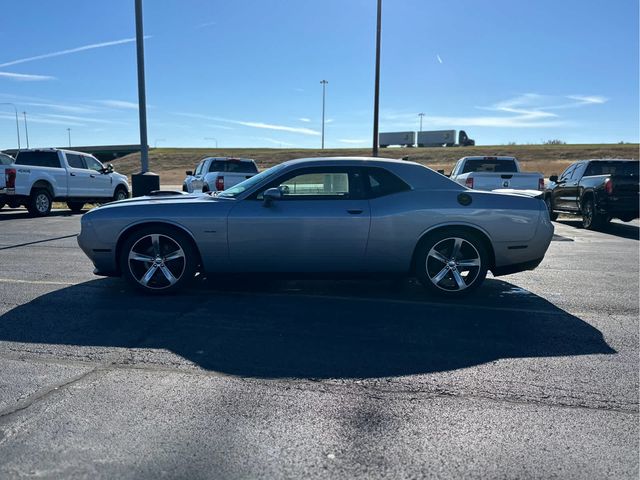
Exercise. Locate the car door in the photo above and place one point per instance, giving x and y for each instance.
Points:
(198, 177)
(100, 182)
(321, 224)
(572, 187)
(561, 199)
(79, 180)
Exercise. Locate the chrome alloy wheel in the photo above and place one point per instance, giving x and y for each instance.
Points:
(42, 202)
(121, 195)
(156, 261)
(453, 264)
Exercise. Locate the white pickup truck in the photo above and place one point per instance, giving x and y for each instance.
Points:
(39, 177)
(214, 174)
(495, 173)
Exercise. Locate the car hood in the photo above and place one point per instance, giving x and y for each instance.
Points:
(173, 198)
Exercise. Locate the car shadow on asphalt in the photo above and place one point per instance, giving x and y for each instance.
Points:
(622, 230)
(307, 329)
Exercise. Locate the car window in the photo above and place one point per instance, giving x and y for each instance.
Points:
(578, 171)
(250, 183)
(241, 167)
(217, 166)
(325, 184)
(381, 182)
(93, 164)
(38, 159)
(490, 165)
(199, 168)
(567, 173)
(612, 168)
(75, 161)
(5, 159)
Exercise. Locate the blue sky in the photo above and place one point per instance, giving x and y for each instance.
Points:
(247, 73)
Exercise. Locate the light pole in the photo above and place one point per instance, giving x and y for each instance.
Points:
(26, 130)
(17, 125)
(421, 115)
(376, 98)
(324, 88)
(214, 139)
(155, 142)
(69, 135)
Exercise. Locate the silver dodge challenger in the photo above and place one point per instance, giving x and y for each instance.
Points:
(322, 215)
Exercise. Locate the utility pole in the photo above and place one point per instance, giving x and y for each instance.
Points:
(376, 99)
(421, 115)
(212, 138)
(69, 135)
(142, 97)
(17, 124)
(324, 87)
(26, 131)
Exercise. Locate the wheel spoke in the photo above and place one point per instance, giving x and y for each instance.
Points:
(438, 256)
(168, 275)
(174, 255)
(155, 241)
(459, 280)
(149, 275)
(441, 274)
(140, 257)
(469, 263)
(457, 244)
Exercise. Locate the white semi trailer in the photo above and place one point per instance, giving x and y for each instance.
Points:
(404, 139)
(437, 138)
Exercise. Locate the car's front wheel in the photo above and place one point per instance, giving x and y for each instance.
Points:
(591, 218)
(158, 259)
(451, 263)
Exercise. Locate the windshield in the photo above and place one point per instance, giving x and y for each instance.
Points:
(250, 182)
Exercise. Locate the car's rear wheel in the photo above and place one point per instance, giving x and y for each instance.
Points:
(451, 263)
(39, 203)
(2, 204)
(158, 259)
(120, 194)
(75, 207)
(552, 215)
(591, 219)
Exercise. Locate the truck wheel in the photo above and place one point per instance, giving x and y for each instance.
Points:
(552, 215)
(39, 203)
(1, 205)
(451, 263)
(75, 207)
(158, 259)
(120, 194)
(591, 219)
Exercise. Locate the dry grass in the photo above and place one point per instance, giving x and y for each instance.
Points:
(171, 163)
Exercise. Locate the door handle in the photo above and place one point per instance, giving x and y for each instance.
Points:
(355, 211)
(72, 174)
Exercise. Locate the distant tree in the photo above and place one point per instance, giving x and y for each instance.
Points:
(554, 142)
(511, 143)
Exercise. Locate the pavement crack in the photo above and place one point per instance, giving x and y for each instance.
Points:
(39, 241)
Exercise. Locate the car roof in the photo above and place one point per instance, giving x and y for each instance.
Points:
(489, 157)
(235, 159)
(353, 160)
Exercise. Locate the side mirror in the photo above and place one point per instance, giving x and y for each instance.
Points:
(270, 195)
(553, 178)
(110, 168)
(189, 173)
(441, 172)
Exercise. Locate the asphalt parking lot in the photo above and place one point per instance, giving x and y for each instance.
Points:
(534, 376)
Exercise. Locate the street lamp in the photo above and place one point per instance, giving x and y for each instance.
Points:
(69, 135)
(324, 87)
(26, 130)
(214, 139)
(17, 126)
(376, 98)
(421, 115)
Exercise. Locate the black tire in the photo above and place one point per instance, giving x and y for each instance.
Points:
(2, 204)
(120, 194)
(14, 205)
(75, 207)
(170, 242)
(552, 215)
(591, 219)
(185, 188)
(39, 202)
(435, 258)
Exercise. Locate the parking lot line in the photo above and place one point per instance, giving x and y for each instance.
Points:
(39, 241)
(34, 282)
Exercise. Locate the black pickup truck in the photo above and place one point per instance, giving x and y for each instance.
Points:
(598, 190)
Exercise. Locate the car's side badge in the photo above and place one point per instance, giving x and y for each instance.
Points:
(464, 199)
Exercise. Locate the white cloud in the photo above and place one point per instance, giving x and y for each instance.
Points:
(262, 125)
(221, 127)
(23, 77)
(439, 59)
(275, 141)
(50, 121)
(118, 104)
(61, 107)
(71, 50)
(305, 120)
(207, 24)
(354, 141)
(75, 118)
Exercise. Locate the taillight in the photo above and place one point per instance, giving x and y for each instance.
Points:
(220, 183)
(608, 186)
(541, 184)
(10, 177)
(468, 182)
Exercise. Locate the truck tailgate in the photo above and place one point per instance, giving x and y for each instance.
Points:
(494, 181)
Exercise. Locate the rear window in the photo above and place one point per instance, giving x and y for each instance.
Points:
(5, 159)
(233, 166)
(38, 159)
(481, 165)
(612, 168)
(382, 182)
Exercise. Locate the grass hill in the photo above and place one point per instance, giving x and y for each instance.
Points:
(171, 163)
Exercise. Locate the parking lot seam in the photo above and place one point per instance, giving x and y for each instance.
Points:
(38, 241)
